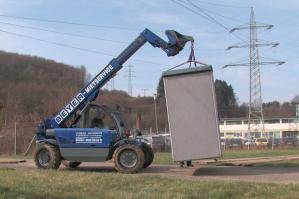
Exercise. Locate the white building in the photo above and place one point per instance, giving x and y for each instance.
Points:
(279, 127)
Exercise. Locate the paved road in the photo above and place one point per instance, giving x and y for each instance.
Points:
(199, 172)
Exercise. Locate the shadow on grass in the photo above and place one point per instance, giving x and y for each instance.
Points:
(280, 164)
(110, 169)
(100, 169)
(243, 171)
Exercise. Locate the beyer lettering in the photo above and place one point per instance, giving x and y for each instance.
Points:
(67, 110)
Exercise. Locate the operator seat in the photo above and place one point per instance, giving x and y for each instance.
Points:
(97, 123)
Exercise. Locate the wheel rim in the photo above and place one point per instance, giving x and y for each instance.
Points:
(128, 158)
(44, 157)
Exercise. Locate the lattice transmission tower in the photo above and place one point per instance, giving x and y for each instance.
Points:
(130, 75)
(255, 112)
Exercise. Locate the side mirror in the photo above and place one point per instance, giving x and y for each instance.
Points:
(176, 42)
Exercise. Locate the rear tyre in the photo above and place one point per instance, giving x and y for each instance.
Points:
(148, 155)
(47, 157)
(128, 158)
(71, 165)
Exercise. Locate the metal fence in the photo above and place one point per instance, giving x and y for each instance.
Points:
(159, 142)
(259, 143)
(15, 137)
(162, 143)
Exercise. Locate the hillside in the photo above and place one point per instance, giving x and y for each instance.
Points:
(33, 87)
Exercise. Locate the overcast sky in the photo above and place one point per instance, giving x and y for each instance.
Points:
(130, 17)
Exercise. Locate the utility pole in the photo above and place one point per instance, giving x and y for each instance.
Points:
(156, 116)
(1, 116)
(130, 75)
(112, 85)
(15, 139)
(144, 92)
(255, 113)
(297, 114)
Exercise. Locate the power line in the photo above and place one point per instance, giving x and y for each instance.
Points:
(75, 47)
(81, 36)
(203, 14)
(180, 3)
(85, 24)
(55, 43)
(67, 22)
(221, 15)
(63, 33)
(220, 4)
(216, 21)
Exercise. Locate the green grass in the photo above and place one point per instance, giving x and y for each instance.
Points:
(165, 158)
(73, 184)
(258, 153)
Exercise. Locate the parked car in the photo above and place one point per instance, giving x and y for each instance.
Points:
(276, 142)
(250, 142)
(289, 141)
(233, 143)
(260, 142)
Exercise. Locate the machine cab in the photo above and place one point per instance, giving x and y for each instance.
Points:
(102, 117)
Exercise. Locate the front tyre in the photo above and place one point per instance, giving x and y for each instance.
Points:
(128, 158)
(148, 155)
(47, 157)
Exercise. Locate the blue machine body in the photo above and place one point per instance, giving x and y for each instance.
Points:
(85, 144)
(85, 137)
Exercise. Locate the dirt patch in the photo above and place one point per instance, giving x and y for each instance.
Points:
(9, 161)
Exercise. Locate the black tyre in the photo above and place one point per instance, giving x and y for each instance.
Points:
(69, 164)
(128, 158)
(148, 155)
(47, 157)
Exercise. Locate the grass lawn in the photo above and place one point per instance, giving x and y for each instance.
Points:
(259, 153)
(73, 184)
(165, 158)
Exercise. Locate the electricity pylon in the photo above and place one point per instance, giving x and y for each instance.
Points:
(130, 75)
(255, 113)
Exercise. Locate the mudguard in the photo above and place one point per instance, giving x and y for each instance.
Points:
(120, 143)
(53, 142)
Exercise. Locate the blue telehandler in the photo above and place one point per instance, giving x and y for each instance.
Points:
(85, 132)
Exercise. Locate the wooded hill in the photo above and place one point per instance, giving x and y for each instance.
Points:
(33, 87)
